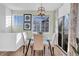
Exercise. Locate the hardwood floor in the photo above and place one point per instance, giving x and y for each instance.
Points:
(19, 52)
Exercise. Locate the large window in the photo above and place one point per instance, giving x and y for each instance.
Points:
(63, 24)
(17, 23)
(8, 21)
(40, 23)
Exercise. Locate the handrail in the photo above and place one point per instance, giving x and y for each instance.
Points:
(61, 49)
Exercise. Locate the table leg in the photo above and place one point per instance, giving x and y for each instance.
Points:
(31, 49)
(44, 50)
(28, 47)
(50, 47)
(53, 50)
(34, 52)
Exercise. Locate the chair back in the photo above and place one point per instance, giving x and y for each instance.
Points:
(24, 35)
(38, 42)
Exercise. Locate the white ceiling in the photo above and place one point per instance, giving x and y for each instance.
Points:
(32, 6)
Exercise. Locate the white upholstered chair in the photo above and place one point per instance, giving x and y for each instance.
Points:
(24, 35)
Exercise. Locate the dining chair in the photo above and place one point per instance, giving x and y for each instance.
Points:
(31, 45)
(24, 35)
(26, 42)
(46, 44)
(53, 42)
(28, 45)
(38, 44)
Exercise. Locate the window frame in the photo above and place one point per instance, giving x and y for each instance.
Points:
(40, 26)
(63, 31)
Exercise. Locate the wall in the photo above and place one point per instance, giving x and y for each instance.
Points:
(2, 18)
(64, 10)
(8, 41)
(55, 40)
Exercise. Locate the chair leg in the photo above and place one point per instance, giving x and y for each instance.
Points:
(26, 50)
(50, 47)
(44, 50)
(23, 49)
(53, 50)
(28, 47)
(33, 52)
(31, 49)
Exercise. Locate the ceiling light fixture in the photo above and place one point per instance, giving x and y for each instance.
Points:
(41, 11)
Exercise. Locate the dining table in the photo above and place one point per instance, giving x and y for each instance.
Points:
(45, 42)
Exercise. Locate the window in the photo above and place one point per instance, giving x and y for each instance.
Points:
(8, 21)
(40, 23)
(17, 23)
(63, 24)
(8, 24)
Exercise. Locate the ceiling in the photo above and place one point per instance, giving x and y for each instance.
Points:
(32, 6)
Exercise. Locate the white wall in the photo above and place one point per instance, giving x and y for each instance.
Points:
(55, 40)
(64, 10)
(8, 41)
(2, 18)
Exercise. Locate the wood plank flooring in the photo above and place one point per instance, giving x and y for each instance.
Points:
(19, 52)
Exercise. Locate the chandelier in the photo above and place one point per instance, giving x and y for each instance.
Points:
(41, 11)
